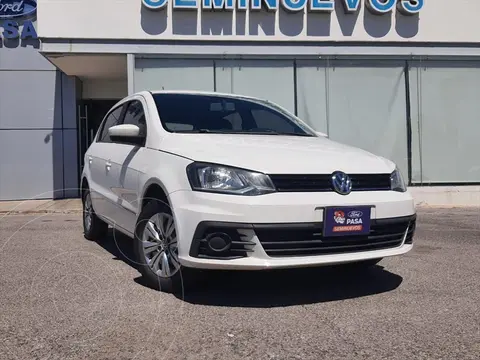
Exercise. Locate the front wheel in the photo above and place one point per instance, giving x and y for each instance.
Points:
(156, 248)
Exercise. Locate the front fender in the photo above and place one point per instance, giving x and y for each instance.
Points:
(170, 175)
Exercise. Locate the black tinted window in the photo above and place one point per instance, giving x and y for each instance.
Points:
(135, 115)
(114, 118)
(210, 113)
(269, 119)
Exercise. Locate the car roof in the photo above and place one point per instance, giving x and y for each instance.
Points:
(205, 93)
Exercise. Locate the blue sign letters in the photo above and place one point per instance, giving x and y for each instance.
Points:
(321, 5)
(185, 4)
(271, 5)
(28, 31)
(155, 4)
(11, 30)
(381, 6)
(12, 12)
(410, 7)
(351, 5)
(378, 7)
(294, 5)
(218, 4)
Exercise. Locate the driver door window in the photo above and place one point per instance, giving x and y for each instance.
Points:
(135, 115)
(114, 118)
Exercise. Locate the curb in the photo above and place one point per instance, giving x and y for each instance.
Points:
(33, 212)
(79, 211)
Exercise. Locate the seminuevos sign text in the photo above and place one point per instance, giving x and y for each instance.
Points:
(378, 7)
(11, 14)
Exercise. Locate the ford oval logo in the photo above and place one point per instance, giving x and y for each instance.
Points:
(10, 9)
(355, 214)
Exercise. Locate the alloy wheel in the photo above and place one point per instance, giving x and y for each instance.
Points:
(87, 212)
(159, 242)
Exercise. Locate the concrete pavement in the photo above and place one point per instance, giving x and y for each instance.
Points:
(68, 206)
(64, 206)
(63, 297)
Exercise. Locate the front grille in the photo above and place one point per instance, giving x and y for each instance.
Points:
(307, 239)
(411, 232)
(323, 183)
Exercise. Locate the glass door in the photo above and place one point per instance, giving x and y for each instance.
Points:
(90, 114)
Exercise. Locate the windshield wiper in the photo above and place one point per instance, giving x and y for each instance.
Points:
(226, 131)
(265, 132)
(196, 131)
(296, 134)
(273, 132)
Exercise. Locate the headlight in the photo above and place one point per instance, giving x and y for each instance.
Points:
(228, 180)
(396, 181)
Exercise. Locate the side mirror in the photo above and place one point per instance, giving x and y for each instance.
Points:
(127, 133)
(321, 134)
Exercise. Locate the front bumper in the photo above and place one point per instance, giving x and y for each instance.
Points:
(280, 216)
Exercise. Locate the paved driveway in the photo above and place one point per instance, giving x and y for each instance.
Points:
(63, 297)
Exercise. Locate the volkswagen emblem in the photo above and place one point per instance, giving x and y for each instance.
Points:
(341, 183)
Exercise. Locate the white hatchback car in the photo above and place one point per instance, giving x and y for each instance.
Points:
(221, 181)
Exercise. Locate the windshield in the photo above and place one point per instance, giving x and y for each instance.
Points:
(189, 113)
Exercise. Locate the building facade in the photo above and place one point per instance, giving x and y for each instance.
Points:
(399, 78)
(37, 113)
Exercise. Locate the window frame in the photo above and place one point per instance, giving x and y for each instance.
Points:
(104, 123)
(126, 105)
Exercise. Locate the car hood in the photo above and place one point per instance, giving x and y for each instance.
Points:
(276, 153)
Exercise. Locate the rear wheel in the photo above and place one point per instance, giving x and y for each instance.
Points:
(93, 228)
(156, 248)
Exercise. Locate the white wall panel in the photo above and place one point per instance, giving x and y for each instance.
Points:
(173, 74)
(268, 79)
(367, 108)
(312, 93)
(439, 20)
(445, 122)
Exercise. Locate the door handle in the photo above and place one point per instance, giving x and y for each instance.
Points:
(108, 165)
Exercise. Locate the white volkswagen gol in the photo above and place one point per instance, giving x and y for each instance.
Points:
(220, 181)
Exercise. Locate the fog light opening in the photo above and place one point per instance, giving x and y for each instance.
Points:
(219, 242)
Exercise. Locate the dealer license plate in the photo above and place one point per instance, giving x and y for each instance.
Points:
(346, 221)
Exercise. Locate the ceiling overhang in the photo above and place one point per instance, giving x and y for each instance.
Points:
(91, 66)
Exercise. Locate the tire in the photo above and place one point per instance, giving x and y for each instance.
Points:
(93, 229)
(156, 251)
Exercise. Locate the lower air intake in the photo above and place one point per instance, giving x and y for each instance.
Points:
(308, 239)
